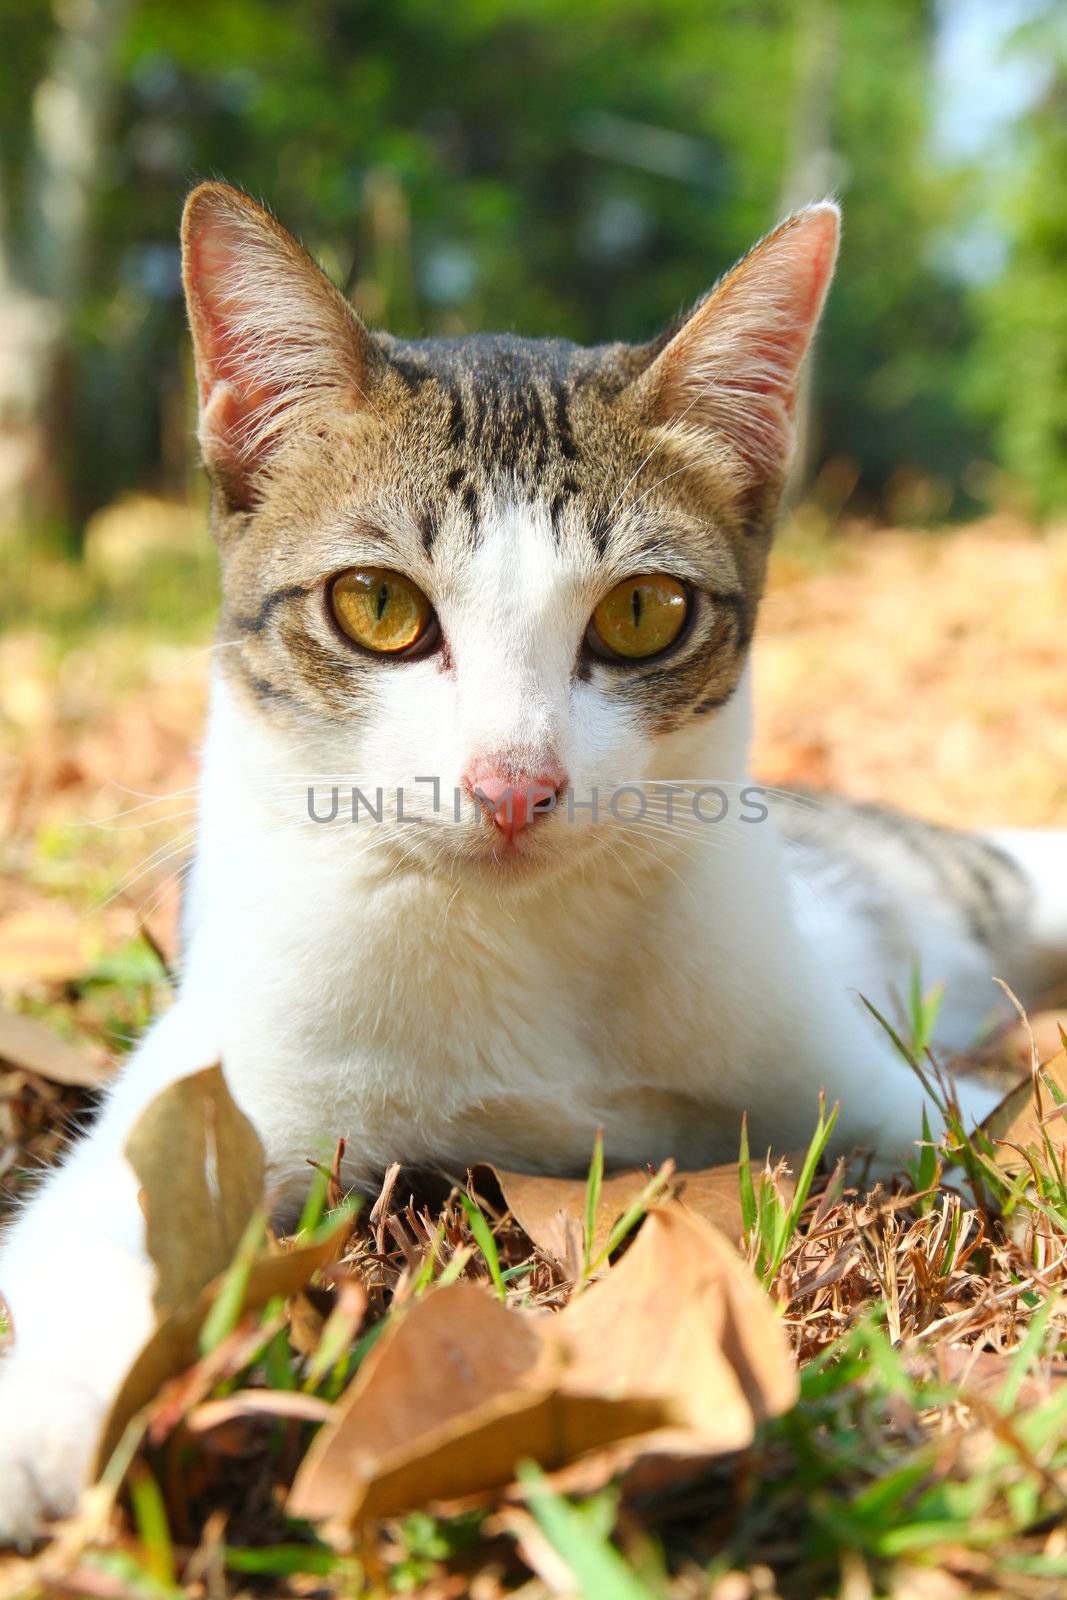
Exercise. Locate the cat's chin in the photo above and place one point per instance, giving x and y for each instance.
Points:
(507, 866)
(515, 864)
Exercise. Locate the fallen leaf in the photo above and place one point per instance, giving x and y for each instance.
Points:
(681, 1317)
(173, 1345)
(288, 1404)
(201, 1169)
(1011, 1048)
(446, 1357)
(678, 1342)
(714, 1193)
(549, 1210)
(27, 1043)
(1022, 1119)
(200, 1165)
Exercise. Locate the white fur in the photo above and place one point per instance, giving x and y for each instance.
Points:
(399, 986)
(1042, 854)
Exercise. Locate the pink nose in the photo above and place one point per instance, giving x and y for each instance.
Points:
(515, 800)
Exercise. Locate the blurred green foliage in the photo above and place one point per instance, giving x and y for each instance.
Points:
(583, 171)
(1020, 356)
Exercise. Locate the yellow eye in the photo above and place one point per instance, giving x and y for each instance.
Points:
(381, 610)
(639, 618)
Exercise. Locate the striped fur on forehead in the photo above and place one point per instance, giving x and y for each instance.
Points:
(414, 484)
(331, 446)
(501, 415)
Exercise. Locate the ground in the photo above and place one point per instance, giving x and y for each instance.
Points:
(920, 668)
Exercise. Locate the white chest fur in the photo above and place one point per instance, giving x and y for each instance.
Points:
(652, 993)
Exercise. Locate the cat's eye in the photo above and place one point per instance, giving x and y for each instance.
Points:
(640, 617)
(381, 610)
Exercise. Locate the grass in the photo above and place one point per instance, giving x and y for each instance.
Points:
(770, 1219)
(897, 1459)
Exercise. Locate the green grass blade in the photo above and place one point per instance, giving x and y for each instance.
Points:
(1027, 1353)
(452, 1269)
(283, 1560)
(787, 1221)
(909, 1055)
(599, 1570)
(153, 1529)
(650, 1194)
(226, 1308)
(315, 1203)
(593, 1186)
(278, 1360)
(483, 1236)
(744, 1178)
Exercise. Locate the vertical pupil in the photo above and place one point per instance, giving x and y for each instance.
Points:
(635, 606)
(383, 600)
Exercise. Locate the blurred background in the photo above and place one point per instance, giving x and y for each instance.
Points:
(554, 169)
(583, 171)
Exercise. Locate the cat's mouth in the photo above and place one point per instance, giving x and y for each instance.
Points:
(486, 855)
(521, 854)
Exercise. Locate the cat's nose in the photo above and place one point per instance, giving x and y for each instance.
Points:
(515, 800)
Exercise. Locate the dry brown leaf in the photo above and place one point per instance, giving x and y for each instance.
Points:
(27, 1043)
(306, 1323)
(287, 1404)
(45, 943)
(677, 1342)
(681, 1317)
(714, 1193)
(552, 1210)
(173, 1346)
(1011, 1048)
(1017, 1123)
(720, 1335)
(549, 1209)
(201, 1169)
(462, 1459)
(200, 1165)
(444, 1358)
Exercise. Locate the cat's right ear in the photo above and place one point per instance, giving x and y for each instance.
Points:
(726, 380)
(277, 346)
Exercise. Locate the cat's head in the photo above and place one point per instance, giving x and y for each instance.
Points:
(518, 567)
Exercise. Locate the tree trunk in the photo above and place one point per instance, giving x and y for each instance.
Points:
(42, 264)
(811, 169)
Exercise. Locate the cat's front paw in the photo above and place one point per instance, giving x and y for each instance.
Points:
(48, 1429)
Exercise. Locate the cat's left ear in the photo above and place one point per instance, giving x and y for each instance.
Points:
(278, 349)
(730, 372)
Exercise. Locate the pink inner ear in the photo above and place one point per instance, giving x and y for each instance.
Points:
(808, 281)
(823, 232)
(734, 365)
(213, 252)
(277, 348)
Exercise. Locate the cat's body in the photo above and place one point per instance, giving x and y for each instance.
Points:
(463, 980)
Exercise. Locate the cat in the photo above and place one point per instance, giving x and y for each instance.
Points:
(509, 587)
